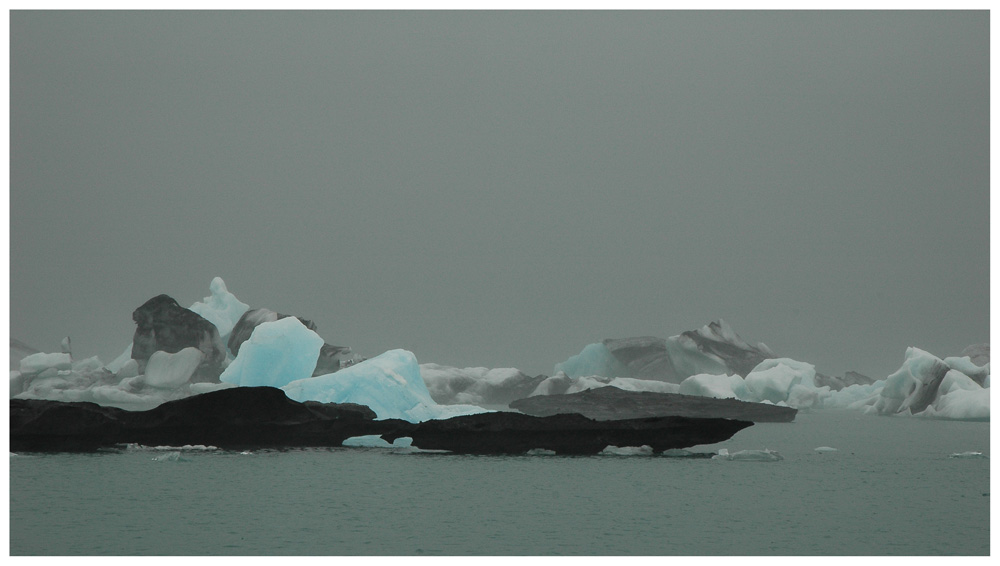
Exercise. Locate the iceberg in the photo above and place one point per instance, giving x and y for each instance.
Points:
(962, 404)
(773, 380)
(277, 353)
(712, 349)
(913, 386)
(389, 384)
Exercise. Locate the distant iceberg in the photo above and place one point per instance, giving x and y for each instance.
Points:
(220, 342)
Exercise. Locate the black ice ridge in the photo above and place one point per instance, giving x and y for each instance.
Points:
(248, 418)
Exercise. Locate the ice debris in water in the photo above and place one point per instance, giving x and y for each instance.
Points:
(644, 450)
(283, 354)
(540, 452)
(134, 447)
(376, 441)
(765, 455)
(971, 455)
(824, 449)
(168, 457)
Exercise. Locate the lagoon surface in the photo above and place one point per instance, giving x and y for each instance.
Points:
(891, 487)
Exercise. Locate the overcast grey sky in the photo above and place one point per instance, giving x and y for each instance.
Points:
(501, 189)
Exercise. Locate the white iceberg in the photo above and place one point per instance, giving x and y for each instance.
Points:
(221, 308)
(774, 379)
(717, 386)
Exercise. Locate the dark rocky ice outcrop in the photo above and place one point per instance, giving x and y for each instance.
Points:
(163, 325)
(263, 417)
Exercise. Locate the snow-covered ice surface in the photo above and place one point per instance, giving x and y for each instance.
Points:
(37, 363)
(221, 308)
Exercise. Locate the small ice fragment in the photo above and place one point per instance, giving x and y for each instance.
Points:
(367, 441)
(969, 455)
(644, 450)
(749, 455)
(540, 452)
(825, 449)
(168, 457)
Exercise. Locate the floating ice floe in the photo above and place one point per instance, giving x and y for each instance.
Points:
(969, 455)
(643, 450)
(824, 449)
(765, 455)
(168, 457)
(376, 441)
(540, 452)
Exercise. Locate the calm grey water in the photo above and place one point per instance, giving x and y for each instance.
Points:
(891, 488)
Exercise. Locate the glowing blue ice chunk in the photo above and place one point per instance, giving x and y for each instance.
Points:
(389, 384)
(276, 354)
